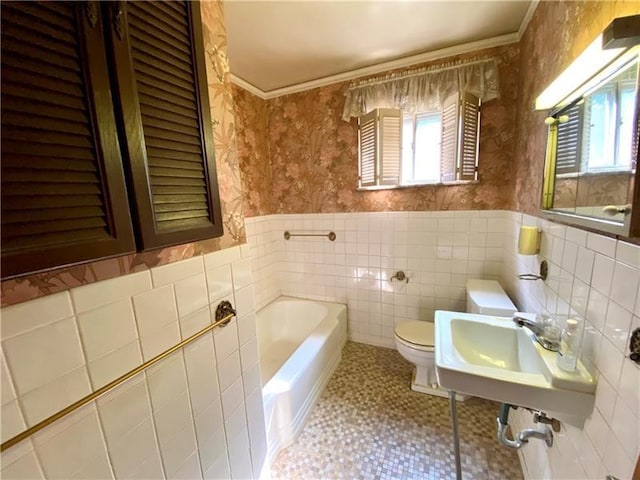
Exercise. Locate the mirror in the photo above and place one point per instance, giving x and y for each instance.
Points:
(592, 152)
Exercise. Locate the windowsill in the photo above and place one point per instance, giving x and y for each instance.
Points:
(396, 187)
(595, 173)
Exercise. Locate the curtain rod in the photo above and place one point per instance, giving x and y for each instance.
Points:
(421, 71)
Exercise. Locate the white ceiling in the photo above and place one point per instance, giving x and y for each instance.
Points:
(277, 44)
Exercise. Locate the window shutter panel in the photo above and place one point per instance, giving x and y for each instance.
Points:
(449, 143)
(390, 134)
(469, 139)
(63, 191)
(367, 138)
(168, 133)
(568, 151)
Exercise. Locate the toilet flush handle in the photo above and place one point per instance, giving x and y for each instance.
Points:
(400, 276)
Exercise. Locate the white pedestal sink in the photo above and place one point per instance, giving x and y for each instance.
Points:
(494, 358)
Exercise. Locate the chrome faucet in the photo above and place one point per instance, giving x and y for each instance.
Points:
(545, 334)
(537, 327)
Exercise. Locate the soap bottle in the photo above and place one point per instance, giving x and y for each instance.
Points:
(570, 345)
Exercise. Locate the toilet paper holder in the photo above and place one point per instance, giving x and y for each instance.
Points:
(400, 276)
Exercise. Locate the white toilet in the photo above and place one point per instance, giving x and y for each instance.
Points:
(415, 339)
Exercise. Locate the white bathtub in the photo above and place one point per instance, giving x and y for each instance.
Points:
(300, 345)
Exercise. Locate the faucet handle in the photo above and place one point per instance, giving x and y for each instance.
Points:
(552, 332)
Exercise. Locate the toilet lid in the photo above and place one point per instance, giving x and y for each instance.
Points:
(416, 332)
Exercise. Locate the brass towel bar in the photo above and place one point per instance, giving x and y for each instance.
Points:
(331, 235)
(224, 314)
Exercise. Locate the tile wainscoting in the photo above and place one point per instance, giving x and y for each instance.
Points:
(438, 251)
(591, 276)
(196, 414)
(82, 338)
(595, 278)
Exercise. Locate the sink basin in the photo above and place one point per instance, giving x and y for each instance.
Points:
(486, 345)
(493, 358)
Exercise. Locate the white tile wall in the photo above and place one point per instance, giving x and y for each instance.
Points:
(264, 237)
(168, 422)
(107, 328)
(46, 400)
(199, 413)
(591, 276)
(602, 289)
(58, 342)
(438, 251)
(36, 313)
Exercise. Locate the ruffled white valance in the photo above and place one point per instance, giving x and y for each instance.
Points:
(424, 89)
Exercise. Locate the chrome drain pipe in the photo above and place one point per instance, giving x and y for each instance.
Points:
(522, 438)
(506, 441)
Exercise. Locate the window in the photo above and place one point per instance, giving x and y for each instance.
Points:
(608, 128)
(402, 149)
(420, 143)
(595, 133)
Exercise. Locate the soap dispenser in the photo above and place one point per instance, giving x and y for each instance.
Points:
(570, 345)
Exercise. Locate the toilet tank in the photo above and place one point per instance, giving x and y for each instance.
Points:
(487, 297)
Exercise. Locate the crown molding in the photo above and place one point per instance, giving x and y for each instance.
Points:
(527, 18)
(249, 87)
(381, 67)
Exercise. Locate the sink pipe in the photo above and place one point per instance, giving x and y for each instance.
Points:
(522, 438)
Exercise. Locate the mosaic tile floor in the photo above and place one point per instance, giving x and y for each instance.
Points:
(369, 424)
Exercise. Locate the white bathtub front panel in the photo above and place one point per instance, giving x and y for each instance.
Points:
(293, 384)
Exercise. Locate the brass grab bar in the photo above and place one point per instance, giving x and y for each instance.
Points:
(331, 235)
(224, 314)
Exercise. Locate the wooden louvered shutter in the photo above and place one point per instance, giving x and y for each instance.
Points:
(450, 136)
(469, 138)
(63, 192)
(367, 142)
(568, 151)
(168, 137)
(390, 148)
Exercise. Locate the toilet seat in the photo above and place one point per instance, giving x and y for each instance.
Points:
(416, 334)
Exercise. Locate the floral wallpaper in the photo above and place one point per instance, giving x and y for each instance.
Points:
(558, 33)
(313, 154)
(295, 154)
(594, 190)
(229, 182)
(224, 128)
(252, 133)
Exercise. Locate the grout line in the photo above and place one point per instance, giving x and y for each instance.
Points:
(191, 411)
(153, 422)
(145, 381)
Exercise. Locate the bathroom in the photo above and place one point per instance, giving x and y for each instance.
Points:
(289, 163)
